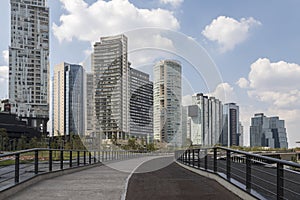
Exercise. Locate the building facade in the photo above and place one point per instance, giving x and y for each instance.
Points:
(268, 132)
(230, 131)
(111, 87)
(141, 105)
(68, 102)
(205, 115)
(167, 102)
(29, 62)
(89, 104)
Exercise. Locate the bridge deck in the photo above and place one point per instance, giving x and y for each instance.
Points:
(109, 182)
(173, 182)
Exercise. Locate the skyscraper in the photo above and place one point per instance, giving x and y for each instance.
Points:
(29, 61)
(89, 104)
(68, 99)
(167, 102)
(111, 87)
(206, 120)
(267, 132)
(141, 104)
(229, 136)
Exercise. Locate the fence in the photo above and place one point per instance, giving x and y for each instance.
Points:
(261, 176)
(20, 166)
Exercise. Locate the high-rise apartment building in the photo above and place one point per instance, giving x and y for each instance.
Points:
(167, 102)
(230, 136)
(89, 103)
(268, 132)
(111, 87)
(29, 61)
(206, 120)
(68, 102)
(141, 104)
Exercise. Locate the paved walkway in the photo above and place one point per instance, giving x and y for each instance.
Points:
(97, 183)
(173, 183)
(110, 182)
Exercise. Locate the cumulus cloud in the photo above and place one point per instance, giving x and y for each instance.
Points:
(276, 83)
(90, 22)
(229, 32)
(187, 100)
(243, 83)
(3, 82)
(5, 56)
(174, 3)
(224, 92)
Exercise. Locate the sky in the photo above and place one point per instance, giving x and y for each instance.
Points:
(238, 51)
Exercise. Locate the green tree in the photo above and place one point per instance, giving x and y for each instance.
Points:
(33, 143)
(4, 139)
(22, 143)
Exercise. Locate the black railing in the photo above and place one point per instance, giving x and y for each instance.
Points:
(20, 166)
(262, 177)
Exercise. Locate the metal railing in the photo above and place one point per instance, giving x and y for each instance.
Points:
(262, 177)
(20, 166)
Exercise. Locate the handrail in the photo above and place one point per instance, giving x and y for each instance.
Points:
(276, 160)
(249, 165)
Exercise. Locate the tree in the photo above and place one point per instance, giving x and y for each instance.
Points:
(33, 143)
(4, 139)
(22, 143)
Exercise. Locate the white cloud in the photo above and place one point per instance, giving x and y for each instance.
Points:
(187, 100)
(229, 32)
(5, 55)
(3, 82)
(277, 85)
(243, 83)
(174, 3)
(224, 92)
(90, 22)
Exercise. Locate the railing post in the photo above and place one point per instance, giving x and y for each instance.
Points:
(279, 181)
(95, 155)
(248, 173)
(36, 162)
(17, 168)
(50, 160)
(228, 164)
(90, 158)
(193, 154)
(61, 159)
(205, 160)
(189, 152)
(215, 160)
(78, 158)
(84, 158)
(70, 161)
(199, 150)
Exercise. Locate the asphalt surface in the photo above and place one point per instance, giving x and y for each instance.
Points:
(171, 183)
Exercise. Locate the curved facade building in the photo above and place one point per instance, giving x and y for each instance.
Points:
(167, 97)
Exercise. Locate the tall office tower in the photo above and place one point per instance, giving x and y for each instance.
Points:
(29, 62)
(206, 120)
(68, 99)
(230, 130)
(267, 132)
(167, 102)
(89, 104)
(141, 105)
(184, 124)
(241, 134)
(215, 120)
(111, 87)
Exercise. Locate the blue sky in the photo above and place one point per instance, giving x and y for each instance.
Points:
(254, 44)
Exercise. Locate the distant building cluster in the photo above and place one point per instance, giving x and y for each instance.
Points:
(267, 132)
(113, 100)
